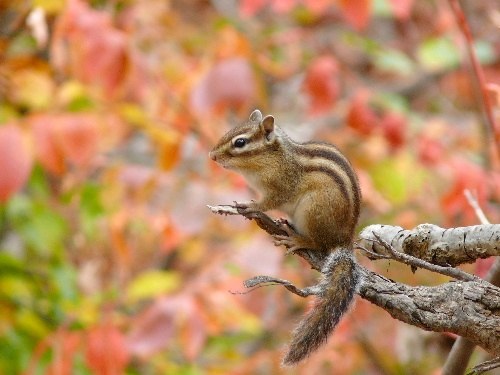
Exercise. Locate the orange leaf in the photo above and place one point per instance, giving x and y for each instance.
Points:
(15, 161)
(321, 84)
(107, 352)
(356, 12)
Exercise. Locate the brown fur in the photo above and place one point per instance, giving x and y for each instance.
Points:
(316, 186)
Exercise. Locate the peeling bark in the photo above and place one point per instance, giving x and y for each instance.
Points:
(469, 308)
(444, 247)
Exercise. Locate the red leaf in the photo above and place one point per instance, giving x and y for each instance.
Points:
(483, 266)
(394, 128)
(15, 161)
(356, 12)
(107, 352)
(401, 8)
(361, 116)
(230, 83)
(466, 176)
(321, 84)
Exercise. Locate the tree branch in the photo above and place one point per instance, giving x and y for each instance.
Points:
(444, 247)
(462, 349)
(467, 308)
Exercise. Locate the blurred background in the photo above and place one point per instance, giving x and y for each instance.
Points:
(110, 261)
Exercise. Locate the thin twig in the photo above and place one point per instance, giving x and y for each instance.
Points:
(372, 254)
(471, 199)
(478, 72)
(485, 366)
(416, 262)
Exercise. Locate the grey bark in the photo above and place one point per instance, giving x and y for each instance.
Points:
(470, 309)
(444, 247)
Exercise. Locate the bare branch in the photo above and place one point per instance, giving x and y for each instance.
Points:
(444, 247)
(467, 308)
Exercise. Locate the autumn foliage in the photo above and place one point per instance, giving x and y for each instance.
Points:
(111, 263)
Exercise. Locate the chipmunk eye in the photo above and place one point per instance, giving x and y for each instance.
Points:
(240, 142)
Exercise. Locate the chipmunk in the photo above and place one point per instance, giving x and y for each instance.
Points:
(315, 185)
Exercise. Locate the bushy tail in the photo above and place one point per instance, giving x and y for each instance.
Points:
(337, 288)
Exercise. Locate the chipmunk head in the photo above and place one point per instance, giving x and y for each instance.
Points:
(247, 143)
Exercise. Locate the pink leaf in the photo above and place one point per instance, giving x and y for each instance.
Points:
(230, 83)
(402, 8)
(250, 7)
(15, 161)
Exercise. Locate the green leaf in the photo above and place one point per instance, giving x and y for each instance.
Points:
(64, 278)
(438, 53)
(41, 228)
(398, 178)
(394, 61)
(153, 283)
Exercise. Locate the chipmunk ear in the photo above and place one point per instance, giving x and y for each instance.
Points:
(255, 116)
(267, 126)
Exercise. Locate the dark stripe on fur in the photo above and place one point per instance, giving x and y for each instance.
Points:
(334, 175)
(335, 156)
(340, 282)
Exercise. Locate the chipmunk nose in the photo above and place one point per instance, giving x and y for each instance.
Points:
(212, 156)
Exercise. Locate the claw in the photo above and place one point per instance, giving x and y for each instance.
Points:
(287, 227)
(292, 250)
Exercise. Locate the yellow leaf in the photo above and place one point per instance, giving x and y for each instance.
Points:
(28, 321)
(153, 283)
(50, 6)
